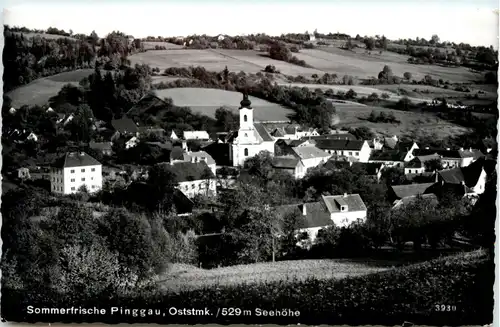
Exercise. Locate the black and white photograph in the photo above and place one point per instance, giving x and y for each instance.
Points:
(250, 162)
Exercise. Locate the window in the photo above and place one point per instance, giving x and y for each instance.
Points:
(83, 170)
(72, 171)
(91, 178)
(83, 179)
(93, 186)
(92, 169)
(73, 188)
(72, 180)
(246, 152)
(357, 153)
(245, 118)
(350, 153)
(192, 186)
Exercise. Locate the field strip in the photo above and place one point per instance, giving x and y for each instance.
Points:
(234, 58)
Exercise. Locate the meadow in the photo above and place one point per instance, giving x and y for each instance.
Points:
(411, 123)
(148, 45)
(181, 276)
(41, 90)
(206, 101)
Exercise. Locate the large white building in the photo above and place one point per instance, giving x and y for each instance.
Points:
(74, 170)
(250, 139)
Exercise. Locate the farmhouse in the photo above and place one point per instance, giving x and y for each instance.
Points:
(398, 192)
(338, 210)
(284, 147)
(104, 147)
(124, 127)
(194, 157)
(414, 167)
(390, 158)
(310, 156)
(251, 138)
(193, 178)
(402, 203)
(74, 170)
(196, 135)
(289, 164)
(356, 150)
(470, 180)
(293, 132)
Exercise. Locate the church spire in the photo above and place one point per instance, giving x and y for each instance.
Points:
(245, 103)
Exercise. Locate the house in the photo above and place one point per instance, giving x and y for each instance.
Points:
(132, 142)
(452, 158)
(193, 178)
(174, 136)
(334, 135)
(338, 210)
(146, 131)
(415, 166)
(402, 203)
(104, 147)
(290, 164)
(308, 132)
(355, 150)
(194, 157)
(285, 133)
(398, 192)
(469, 180)
(336, 165)
(284, 146)
(74, 170)
(310, 156)
(196, 135)
(390, 158)
(124, 127)
(372, 169)
(251, 137)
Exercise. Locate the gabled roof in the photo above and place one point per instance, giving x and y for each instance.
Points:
(468, 175)
(189, 171)
(337, 136)
(452, 154)
(428, 157)
(432, 198)
(294, 143)
(316, 214)
(309, 152)
(415, 163)
(403, 191)
(330, 144)
(124, 125)
(405, 146)
(100, 145)
(333, 203)
(165, 146)
(371, 168)
(75, 159)
(177, 153)
(264, 134)
(388, 155)
(278, 132)
(286, 162)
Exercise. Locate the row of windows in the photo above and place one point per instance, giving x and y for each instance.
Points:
(57, 188)
(350, 153)
(92, 187)
(57, 180)
(200, 186)
(72, 171)
(83, 179)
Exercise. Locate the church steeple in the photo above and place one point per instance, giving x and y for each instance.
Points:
(245, 103)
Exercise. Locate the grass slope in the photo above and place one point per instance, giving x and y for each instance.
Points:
(41, 90)
(190, 277)
(206, 101)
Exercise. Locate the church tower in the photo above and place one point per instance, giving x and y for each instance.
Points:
(246, 132)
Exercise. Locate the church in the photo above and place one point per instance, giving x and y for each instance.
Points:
(251, 137)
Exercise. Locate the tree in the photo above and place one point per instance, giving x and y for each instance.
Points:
(369, 43)
(393, 176)
(279, 51)
(434, 39)
(407, 76)
(226, 119)
(433, 165)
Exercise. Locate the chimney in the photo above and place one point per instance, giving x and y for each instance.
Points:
(470, 149)
(304, 210)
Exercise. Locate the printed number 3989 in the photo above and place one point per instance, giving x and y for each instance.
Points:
(445, 308)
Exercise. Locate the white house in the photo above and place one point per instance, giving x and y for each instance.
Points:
(194, 178)
(338, 210)
(196, 135)
(353, 149)
(293, 132)
(310, 156)
(414, 167)
(250, 139)
(194, 157)
(290, 164)
(74, 170)
(132, 142)
(173, 136)
(470, 180)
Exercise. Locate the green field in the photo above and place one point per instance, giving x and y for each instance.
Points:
(206, 101)
(190, 277)
(41, 90)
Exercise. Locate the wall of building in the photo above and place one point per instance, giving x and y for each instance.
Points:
(343, 219)
(70, 180)
(193, 188)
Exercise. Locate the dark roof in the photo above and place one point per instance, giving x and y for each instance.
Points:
(469, 175)
(426, 174)
(75, 159)
(371, 168)
(316, 214)
(403, 191)
(339, 144)
(165, 146)
(456, 154)
(189, 171)
(415, 163)
(404, 146)
(309, 152)
(177, 153)
(338, 136)
(287, 162)
(124, 125)
(388, 155)
(432, 198)
(294, 143)
(278, 132)
(334, 202)
(182, 203)
(150, 104)
(390, 143)
(263, 132)
(219, 152)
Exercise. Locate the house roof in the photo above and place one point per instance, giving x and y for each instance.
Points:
(405, 146)
(371, 168)
(410, 199)
(278, 132)
(100, 145)
(333, 203)
(124, 125)
(264, 134)
(415, 163)
(182, 203)
(197, 155)
(316, 214)
(189, 171)
(390, 143)
(165, 146)
(428, 157)
(469, 175)
(336, 164)
(330, 144)
(149, 103)
(403, 191)
(388, 155)
(294, 143)
(452, 154)
(309, 152)
(177, 153)
(189, 135)
(287, 162)
(337, 136)
(75, 159)
(290, 129)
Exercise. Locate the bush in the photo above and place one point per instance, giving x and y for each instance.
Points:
(351, 94)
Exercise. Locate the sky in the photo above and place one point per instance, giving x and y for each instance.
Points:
(469, 21)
